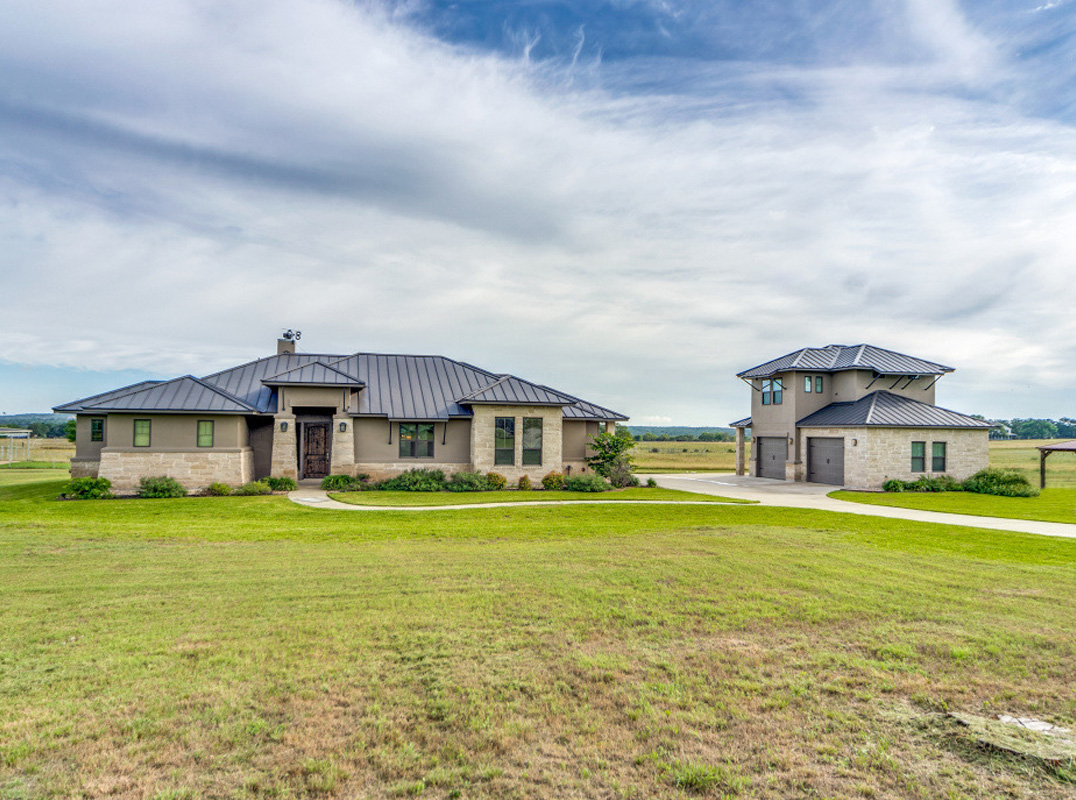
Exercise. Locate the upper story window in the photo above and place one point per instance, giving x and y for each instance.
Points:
(97, 430)
(141, 432)
(205, 433)
(773, 391)
(919, 456)
(504, 441)
(818, 384)
(937, 457)
(812, 383)
(532, 442)
(416, 440)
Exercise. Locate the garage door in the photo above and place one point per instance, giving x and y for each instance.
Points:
(825, 461)
(772, 455)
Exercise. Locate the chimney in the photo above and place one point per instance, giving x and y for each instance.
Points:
(285, 346)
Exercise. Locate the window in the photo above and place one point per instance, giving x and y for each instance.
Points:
(532, 442)
(818, 384)
(205, 433)
(141, 433)
(937, 457)
(97, 430)
(808, 383)
(919, 456)
(504, 441)
(772, 391)
(416, 440)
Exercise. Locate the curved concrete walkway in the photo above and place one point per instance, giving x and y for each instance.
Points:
(318, 498)
(813, 495)
(763, 490)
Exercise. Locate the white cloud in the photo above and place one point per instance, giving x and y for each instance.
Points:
(189, 179)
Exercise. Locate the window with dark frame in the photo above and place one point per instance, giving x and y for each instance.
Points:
(504, 441)
(818, 384)
(416, 440)
(97, 430)
(808, 383)
(772, 391)
(532, 441)
(937, 456)
(919, 456)
(205, 433)
(141, 433)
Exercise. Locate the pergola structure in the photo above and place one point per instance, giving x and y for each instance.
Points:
(7, 446)
(1045, 450)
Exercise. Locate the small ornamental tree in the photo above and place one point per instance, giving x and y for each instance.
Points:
(69, 430)
(611, 452)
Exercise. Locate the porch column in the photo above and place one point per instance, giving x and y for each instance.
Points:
(610, 426)
(343, 449)
(285, 463)
(740, 447)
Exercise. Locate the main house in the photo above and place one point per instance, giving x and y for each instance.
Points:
(301, 415)
(854, 416)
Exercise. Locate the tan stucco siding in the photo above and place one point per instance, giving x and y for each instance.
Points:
(482, 439)
(291, 397)
(577, 435)
(175, 432)
(85, 450)
(874, 455)
(854, 384)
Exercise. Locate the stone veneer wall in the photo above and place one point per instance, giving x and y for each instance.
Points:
(85, 467)
(195, 470)
(884, 453)
(482, 440)
(285, 460)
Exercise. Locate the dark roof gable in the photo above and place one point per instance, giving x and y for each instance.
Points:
(885, 409)
(839, 357)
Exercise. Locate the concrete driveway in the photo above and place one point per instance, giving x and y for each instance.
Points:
(813, 495)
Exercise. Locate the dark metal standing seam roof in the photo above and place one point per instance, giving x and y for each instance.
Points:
(838, 357)
(186, 394)
(511, 390)
(77, 405)
(245, 381)
(315, 373)
(885, 409)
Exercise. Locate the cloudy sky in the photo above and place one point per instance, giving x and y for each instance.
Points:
(629, 200)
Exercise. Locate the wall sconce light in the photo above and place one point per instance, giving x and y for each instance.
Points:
(791, 440)
(343, 427)
(855, 442)
(283, 427)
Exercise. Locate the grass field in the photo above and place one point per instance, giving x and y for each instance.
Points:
(51, 452)
(470, 498)
(686, 456)
(1053, 505)
(251, 648)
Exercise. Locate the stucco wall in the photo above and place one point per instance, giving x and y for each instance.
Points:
(574, 447)
(84, 448)
(291, 397)
(482, 439)
(175, 432)
(874, 455)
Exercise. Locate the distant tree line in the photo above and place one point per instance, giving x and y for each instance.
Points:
(1064, 428)
(45, 430)
(706, 436)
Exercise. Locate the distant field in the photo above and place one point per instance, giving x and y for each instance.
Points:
(1023, 455)
(48, 451)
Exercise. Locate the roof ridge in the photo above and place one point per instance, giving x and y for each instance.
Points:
(222, 392)
(870, 411)
(486, 388)
(318, 362)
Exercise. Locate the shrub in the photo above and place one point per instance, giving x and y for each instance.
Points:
(893, 485)
(282, 484)
(609, 449)
(586, 483)
(618, 471)
(339, 483)
(553, 481)
(1003, 482)
(496, 481)
(524, 484)
(467, 482)
(651, 483)
(253, 488)
(925, 484)
(161, 486)
(416, 480)
(218, 490)
(88, 489)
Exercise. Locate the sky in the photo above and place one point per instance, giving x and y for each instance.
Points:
(630, 200)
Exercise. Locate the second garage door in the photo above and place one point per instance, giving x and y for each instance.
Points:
(772, 455)
(825, 461)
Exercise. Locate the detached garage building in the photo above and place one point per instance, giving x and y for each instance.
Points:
(854, 416)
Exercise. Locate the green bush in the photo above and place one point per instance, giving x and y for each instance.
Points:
(253, 488)
(496, 481)
(618, 471)
(416, 480)
(524, 484)
(467, 482)
(1002, 482)
(926, 484)
(282, 484)
(88, 489)
(161, 486)
(651, 483)
(586, 483)
(553, 481)
(218, 490)
(339, 483)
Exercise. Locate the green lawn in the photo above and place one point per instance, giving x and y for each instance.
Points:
(376, 498)
(253, 648)
(1053, 505)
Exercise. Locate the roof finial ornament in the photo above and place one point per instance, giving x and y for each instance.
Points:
(291, 335)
